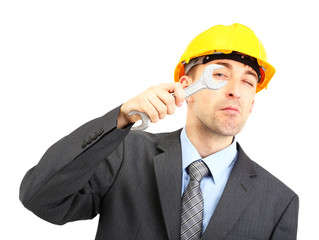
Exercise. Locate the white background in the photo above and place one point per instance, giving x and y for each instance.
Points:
(63, 63)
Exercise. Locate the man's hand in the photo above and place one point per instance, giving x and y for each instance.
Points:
(156, 102)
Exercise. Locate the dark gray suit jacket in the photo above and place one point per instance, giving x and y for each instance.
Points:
(133, 179)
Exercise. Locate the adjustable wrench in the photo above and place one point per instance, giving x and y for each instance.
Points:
(206, 81)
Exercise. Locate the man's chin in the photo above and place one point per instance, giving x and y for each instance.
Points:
(228, 129)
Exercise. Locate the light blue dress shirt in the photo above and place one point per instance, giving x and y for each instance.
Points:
(220, 165)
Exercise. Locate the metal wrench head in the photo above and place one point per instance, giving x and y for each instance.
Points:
(208, 80)
(145, 120)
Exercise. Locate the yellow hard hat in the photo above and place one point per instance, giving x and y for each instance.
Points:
(228, 39)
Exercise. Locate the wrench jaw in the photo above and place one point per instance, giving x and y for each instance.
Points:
(218, 85)
(145, 121)
(208, 79)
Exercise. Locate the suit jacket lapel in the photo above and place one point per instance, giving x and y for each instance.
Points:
(237, 194)
(168, 171)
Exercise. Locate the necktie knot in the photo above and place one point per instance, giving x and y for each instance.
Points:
(198, 170)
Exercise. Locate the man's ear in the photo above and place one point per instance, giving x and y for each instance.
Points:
(185, 81)
(252, 106)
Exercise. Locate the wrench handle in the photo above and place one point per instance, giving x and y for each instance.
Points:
(195, 87)
(205, 82)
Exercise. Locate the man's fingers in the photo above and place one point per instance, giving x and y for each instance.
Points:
(160, 107)
(177, 90)
(168, 100)
(156, 102)
(179, 95)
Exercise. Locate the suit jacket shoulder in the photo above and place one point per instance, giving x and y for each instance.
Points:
(268, 180)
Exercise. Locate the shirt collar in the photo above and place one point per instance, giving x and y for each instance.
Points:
(217, 162)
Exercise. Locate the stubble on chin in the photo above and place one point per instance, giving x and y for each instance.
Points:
(224, 126)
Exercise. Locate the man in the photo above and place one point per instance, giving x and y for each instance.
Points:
(195, 183)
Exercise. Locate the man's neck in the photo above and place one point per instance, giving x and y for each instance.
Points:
(207, 143)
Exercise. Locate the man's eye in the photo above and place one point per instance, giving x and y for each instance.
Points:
(220, 76)
(249, 83)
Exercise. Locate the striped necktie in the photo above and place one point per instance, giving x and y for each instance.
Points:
(192, 202)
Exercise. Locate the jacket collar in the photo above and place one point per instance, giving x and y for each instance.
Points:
(239, 191)
(168, 171)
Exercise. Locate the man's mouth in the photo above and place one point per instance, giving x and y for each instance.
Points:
(230, 110)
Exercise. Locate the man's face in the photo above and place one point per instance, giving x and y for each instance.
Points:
(226, 110)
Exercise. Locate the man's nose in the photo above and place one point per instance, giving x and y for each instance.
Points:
(233, 89)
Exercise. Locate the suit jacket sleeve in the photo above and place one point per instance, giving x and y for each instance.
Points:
(74, 174)
(286, 228)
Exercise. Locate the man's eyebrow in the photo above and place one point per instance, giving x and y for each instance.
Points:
(252, 73)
